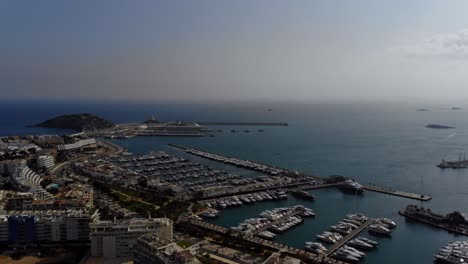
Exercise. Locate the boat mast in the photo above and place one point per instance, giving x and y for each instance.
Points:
(422, 188)
(355, 201)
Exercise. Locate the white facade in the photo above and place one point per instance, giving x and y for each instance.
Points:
(77, 145)
(114, 239)
(45, 161)
(26, 179)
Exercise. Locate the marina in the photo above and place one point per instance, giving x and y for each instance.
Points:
(159, 168)
(224, 202)
(234, 132)
(455, 252)
(271, 170)
(264, 243)
(277, 220)
(308, 181)
(290, 187)
(311, 226)
(445, 186)
(348, 237)
(345, 246)
(266, 188)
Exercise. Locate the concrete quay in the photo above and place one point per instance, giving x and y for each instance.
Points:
(115, 149)
(420, 197)
(241, 124)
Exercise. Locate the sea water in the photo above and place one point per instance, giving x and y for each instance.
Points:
(386, 144)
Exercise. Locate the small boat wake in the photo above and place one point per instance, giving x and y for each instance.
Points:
(451, 136)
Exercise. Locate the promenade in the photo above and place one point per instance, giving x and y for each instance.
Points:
(271, 245)
(408, 195)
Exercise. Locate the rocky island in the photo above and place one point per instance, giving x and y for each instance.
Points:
(77, 122)
(435, 126)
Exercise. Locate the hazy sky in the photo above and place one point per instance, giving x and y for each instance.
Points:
(234, 50)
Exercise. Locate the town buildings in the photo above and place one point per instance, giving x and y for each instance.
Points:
(45, 161)
(113, 239)
(21, 228)
(152, 249)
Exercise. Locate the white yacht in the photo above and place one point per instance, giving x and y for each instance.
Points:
(352, 186)
(357, 243)
(315, 247)
(387, 222)
(377, 229)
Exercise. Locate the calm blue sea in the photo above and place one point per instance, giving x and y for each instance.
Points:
(386, 144)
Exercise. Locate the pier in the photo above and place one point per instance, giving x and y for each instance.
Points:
(205, 225)
(277, 221)
(420, 197)
(242, 124)
(348, 237)
(246, 164)
(272, 170)
(114, 148)
(283, 187)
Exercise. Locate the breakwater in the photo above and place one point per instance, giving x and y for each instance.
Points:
(242, 124)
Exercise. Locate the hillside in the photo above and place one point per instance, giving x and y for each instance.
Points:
(78, 122)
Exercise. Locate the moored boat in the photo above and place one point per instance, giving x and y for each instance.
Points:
(380, 230)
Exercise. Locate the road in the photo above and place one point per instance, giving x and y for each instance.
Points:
(135, 199)
(114, 150)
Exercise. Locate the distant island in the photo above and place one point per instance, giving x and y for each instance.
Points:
(438, 126)
(78, 122)
(456, 108)
(422, 110)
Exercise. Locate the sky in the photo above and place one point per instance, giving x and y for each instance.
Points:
(223, 50)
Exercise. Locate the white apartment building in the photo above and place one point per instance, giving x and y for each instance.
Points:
(45, 161)
(113, 239)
